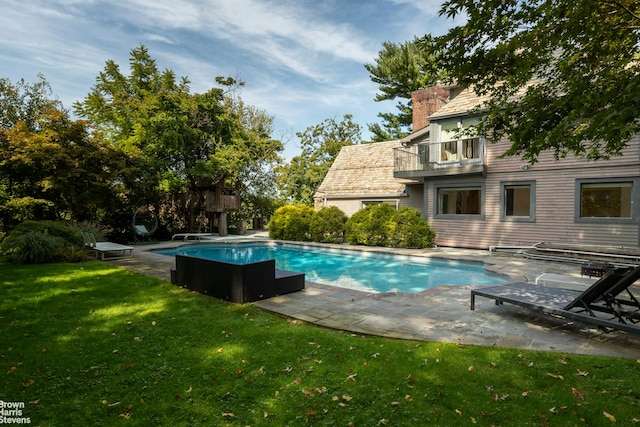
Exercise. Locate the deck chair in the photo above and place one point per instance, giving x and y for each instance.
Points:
(597, 305)
(106, 250)
(620, 300)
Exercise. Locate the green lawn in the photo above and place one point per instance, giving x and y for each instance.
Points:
(91, 344)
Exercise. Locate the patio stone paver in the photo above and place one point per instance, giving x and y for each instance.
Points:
(439, 315)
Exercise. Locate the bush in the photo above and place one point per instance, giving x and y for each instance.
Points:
(382, 225)
(410, 230)
(328, 225)
(43, 241)
(371, 226)
(291, 222)
(33, 247)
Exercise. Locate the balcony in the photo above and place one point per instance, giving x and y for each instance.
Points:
(438, 159)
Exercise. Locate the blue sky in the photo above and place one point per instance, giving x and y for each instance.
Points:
(302, 60)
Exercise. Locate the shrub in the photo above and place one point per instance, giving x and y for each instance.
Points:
(410, 230)
(382, 225)
(328, 225)
(33, 247)
(370, 226)
(43, 241)
(291, 222)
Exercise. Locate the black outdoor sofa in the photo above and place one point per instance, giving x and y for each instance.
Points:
(239, 283)
(608, 303)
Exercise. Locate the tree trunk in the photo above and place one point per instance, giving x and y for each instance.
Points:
(222, 224)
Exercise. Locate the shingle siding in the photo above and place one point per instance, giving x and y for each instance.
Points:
(365, 173)
(555, 187)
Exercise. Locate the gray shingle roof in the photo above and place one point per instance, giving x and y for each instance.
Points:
(365, 169)
(461, 104)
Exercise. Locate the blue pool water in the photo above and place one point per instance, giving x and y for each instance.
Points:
(366, 271)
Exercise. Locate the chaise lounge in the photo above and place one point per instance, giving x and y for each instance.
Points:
(106, 250)
(608, 303)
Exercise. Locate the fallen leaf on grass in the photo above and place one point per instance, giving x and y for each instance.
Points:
(609, 416)
(577, 394)
(28, 383)
(383, 422)
(352, 377)
(582, 373)
(228, 414)
(560, 377)
(11, 370)
(459, 412)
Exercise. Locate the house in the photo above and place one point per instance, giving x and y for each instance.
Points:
(474, 199)
(362, 175)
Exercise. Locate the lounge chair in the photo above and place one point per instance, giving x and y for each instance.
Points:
(114, 250)
(600, 304)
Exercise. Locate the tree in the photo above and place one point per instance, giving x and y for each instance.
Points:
(399, 70)
(560, 76)
(258, 177)
(57, 171)
(25, 102)
(180, 142)
(320, 146)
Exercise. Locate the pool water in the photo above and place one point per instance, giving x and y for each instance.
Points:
(365, 271)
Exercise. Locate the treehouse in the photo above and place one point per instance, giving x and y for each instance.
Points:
(220, 199)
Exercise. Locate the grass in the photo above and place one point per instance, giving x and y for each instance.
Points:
(91, 344)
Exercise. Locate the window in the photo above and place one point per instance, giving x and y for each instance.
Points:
(393, 203)
(459, 201)
(605, 200)
(455, 141)
(517, 201)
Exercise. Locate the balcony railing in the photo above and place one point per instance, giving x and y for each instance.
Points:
(465, 156)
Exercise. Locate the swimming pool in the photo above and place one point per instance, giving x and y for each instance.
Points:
(365, 271)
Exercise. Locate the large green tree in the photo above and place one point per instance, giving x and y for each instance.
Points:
(181, 142)
(400, 69)
(562, 76)
(259, 177)
(51, 167)
(25, 102)
(320, 146)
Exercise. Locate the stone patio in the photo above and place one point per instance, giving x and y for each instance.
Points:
(440, 315)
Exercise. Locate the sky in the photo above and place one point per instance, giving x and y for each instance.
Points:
(302, 61)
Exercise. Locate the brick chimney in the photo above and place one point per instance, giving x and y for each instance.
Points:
(426, 102)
